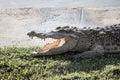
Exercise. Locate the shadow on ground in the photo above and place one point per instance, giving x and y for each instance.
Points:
(86, 65)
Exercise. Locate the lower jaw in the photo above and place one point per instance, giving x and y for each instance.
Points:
(49, 46)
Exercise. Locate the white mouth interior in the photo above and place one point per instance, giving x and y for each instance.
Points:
(57, 43)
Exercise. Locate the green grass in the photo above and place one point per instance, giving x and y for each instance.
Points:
(17, 64)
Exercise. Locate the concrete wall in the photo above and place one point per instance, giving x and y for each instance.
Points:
(16, 22)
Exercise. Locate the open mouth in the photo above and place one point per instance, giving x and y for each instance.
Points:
(57, 43)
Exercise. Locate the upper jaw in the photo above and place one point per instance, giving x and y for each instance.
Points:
(52, 34)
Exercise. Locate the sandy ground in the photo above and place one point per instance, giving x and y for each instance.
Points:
(15, 23)
(13, 28)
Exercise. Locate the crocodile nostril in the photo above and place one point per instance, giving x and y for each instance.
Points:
(32, 32)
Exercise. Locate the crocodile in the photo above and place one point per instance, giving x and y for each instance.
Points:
(87, 42)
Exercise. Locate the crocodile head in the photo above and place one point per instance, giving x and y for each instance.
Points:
(66, 40)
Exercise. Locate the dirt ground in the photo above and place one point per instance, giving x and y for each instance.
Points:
(15, 23)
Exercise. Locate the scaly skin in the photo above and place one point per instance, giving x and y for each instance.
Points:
(88, 42)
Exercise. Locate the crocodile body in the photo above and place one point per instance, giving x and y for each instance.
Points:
(86, 42)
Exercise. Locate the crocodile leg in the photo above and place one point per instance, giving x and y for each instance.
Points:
(97, 50)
